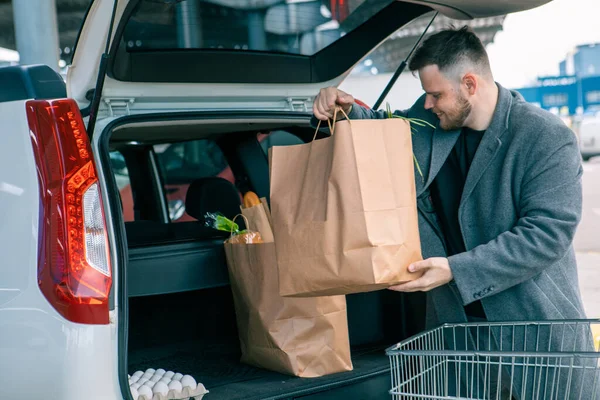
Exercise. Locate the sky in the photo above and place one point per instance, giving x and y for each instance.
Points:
(533, 43)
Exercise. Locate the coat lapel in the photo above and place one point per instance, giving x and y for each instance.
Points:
(490, 142)
(442, 144)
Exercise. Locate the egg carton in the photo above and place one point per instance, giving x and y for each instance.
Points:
(185, 386)
(185, 394)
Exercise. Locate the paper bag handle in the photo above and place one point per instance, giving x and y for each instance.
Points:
(233, 220)
(331, 127)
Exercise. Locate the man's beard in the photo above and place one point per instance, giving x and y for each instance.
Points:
(456, 119)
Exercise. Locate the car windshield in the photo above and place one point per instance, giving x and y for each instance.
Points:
(292, 27)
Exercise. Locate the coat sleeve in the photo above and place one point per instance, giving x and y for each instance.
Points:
(549, 211)
(360, 112)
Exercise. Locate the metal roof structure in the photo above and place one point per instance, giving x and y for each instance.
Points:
(388, 56)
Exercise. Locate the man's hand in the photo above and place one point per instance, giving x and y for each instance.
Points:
(437, 272)
(328, 99)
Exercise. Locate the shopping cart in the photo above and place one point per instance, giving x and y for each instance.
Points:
(499, 360)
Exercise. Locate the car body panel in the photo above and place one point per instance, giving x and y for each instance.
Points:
(43, 355)
(469, 9)
(20, 199)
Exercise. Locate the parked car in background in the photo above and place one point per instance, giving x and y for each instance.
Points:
(589, 137)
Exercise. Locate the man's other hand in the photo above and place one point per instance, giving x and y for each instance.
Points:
(436, 272)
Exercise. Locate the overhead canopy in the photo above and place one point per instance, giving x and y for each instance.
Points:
(469, 9)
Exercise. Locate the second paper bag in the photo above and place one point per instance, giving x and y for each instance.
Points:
(302, 337)
(344, 210)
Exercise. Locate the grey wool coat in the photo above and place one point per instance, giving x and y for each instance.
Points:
(518, 214)
(519, 210)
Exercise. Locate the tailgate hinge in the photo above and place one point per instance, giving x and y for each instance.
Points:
(118, 107)
(298, 104)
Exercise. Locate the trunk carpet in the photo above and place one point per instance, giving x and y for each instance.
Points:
(217, 366)
(195, 333)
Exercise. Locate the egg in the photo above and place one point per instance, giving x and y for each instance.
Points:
(134, 393)
(145, 391)
(150, 384)
(160, 371)
(155, 378)
(134, 379)
(142, 381)
(136, 386)
(147, 376)
(138, 373)
(188, 381)
(160, 388)
(150, 371)
(176, 386)
(177, 377)
(169, 374)
(165, 380)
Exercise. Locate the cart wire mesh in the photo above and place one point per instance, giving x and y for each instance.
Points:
(499, 360)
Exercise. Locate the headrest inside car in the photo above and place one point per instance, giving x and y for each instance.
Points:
(212, 195)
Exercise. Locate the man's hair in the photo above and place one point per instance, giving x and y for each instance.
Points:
(454, 51)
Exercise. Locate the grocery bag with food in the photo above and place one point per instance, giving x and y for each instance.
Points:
(344, 209)
(256, 211)
(302, 337)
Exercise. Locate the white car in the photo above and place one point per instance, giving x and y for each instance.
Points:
(96, 281)
(589, 137)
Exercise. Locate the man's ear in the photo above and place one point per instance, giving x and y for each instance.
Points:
(470, 82)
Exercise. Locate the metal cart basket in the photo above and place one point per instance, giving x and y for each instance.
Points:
(499, 360)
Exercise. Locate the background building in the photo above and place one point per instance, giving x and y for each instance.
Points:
(576, 91)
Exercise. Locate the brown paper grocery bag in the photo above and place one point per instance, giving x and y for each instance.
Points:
(306, 337)
(344, 210)
(267, 210)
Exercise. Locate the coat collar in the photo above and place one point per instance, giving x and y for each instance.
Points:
(443, 141)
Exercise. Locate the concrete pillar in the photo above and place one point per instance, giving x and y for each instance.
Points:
(257, 36)
(36, 32)
(189, 31)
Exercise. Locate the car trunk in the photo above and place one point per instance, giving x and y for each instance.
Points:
(195, 333)
(181, 315)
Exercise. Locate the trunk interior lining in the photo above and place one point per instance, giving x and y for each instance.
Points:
(193, 330)
(195, 333)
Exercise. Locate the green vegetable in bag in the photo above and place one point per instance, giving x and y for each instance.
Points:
(220, 222)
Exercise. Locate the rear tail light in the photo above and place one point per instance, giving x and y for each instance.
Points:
(74, 271)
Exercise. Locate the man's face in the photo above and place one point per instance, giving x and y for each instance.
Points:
(444, 98)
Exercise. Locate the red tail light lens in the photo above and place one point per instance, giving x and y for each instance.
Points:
(74, 271)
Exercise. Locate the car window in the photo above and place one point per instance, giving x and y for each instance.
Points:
(277, 138)
(301, 27)
(119, 168)
(182, 163)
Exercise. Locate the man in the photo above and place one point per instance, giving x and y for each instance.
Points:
(501, 196)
